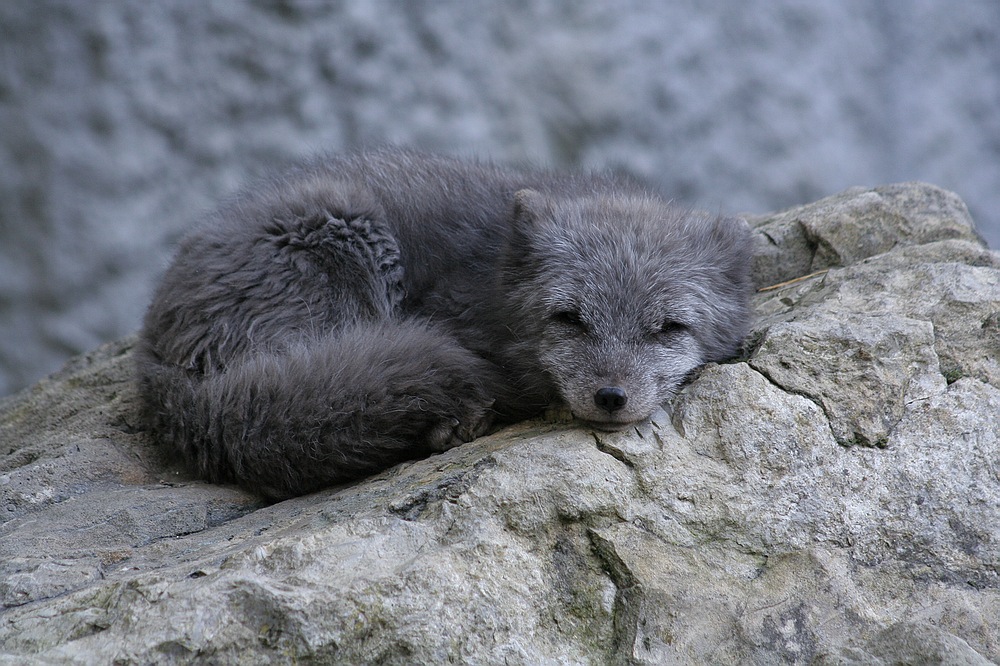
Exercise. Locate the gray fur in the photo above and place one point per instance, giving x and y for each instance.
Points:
(362, 310)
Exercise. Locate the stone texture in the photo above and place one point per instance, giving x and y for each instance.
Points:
(862, 370)
(122, 121)
(831, 498)
(836, 231)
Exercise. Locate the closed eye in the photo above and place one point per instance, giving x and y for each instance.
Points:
(569, 318)
(670, 327)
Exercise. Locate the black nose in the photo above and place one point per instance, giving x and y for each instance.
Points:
(610, 398)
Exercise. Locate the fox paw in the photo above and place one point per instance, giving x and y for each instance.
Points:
(451, 431)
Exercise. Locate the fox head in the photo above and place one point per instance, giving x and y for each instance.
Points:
(619, 296)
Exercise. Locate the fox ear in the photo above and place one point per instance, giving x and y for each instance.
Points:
(529, 206)
(731, 236)
(731, 230)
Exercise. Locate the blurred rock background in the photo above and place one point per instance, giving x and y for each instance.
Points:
(121, 121)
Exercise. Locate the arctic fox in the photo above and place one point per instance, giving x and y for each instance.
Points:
(361, 310)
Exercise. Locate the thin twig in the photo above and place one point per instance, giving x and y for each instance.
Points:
(794, 280)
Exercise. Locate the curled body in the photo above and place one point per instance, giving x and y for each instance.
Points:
(360, 310)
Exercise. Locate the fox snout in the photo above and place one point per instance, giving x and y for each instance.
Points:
(611, 398)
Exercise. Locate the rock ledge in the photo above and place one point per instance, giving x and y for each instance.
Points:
(831, 498)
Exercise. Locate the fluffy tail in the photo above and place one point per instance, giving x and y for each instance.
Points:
(324, 411)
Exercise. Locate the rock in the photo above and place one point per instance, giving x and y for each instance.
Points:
(860, 223)
(909, 643)
(863, 370)
(833, 498)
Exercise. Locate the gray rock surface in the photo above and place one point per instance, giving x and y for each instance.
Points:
(832, 498)
(121, 121)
